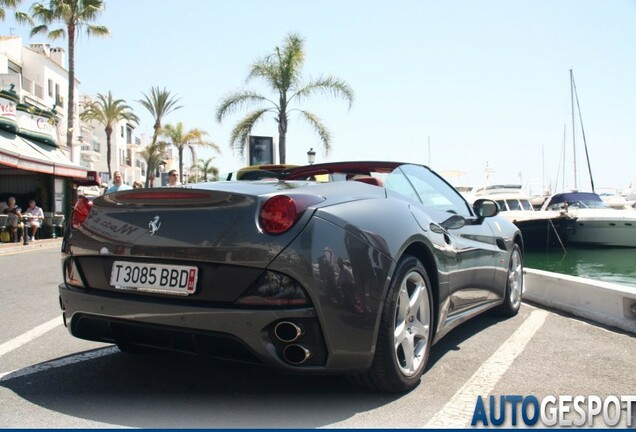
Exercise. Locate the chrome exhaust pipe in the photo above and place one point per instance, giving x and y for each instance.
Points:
(287, 331)
(296, 354)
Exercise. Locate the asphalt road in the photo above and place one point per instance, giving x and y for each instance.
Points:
(50, 379)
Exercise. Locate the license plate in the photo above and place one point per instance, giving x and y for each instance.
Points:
(159, 278)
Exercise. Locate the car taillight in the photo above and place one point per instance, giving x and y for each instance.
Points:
(279, 213)
(80, 211)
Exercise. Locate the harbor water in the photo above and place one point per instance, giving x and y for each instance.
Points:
(614, 265)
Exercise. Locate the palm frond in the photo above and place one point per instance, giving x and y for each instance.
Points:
(242, 131)
(238, 101)
(24, 18)
(160, 102)
(266, 70)
(319, 128)
(96, 30)
(329, 86)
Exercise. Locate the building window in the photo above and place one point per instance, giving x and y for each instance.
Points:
(50, 88)
(122, 131)
(129, 135)
(59, 101)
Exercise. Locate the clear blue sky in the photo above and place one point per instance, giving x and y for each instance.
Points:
(487, 81)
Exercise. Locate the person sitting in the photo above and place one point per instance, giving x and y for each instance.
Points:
(36, 215)
(15, 218)
(118, 183)
(138, 185)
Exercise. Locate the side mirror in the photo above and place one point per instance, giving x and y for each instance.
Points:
(485, 208)
(454, 222)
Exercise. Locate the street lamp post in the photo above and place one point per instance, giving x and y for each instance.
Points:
(311, 156)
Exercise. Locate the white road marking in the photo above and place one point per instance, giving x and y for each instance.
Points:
(458, 411)
(27, 337)
(36, 332)
(77, 358)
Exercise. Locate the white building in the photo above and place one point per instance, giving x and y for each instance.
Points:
(125, 147)
(35, 161)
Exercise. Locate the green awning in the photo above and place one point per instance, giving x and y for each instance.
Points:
(24, 154)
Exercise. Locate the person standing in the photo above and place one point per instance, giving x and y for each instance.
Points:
(173, 179)
(36, 215)
(118, 184)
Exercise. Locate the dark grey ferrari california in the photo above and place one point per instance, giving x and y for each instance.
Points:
(353, 268)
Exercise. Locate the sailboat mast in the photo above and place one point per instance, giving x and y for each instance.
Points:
(587, 153)
(573, 127)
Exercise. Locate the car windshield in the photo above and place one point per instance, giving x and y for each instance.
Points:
(422, 185)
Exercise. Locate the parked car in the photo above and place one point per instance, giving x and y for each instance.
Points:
(357, 276)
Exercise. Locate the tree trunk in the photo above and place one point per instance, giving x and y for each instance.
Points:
(282, 138)
(71, 89)
(157, 128)
(109, 131)
(180, 164)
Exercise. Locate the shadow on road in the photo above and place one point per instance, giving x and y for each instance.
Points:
(179, 391)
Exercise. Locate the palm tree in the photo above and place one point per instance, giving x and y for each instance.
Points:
(153, 155)
(159, 103)
(20, 17)
(205, 167)
(281, 70)
(182, 139)
(74, 15)
(108, 112)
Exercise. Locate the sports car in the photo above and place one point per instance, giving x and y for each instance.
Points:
(357, 275)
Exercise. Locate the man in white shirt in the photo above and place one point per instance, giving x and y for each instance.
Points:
(36, 215)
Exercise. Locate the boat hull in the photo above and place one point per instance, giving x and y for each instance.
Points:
(545, 233)
(604, 232)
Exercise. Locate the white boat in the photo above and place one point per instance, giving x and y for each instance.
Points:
(597, 223)
(613, 197)
(540, 229)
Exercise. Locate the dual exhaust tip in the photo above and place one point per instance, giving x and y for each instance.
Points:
(289, 332)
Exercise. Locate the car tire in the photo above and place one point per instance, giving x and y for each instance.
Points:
(514, 284)
(406, 331)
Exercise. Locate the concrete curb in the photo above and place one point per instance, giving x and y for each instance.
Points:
(606, 303)
(6, 248)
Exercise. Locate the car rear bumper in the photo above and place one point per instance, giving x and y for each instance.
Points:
(230, 333)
